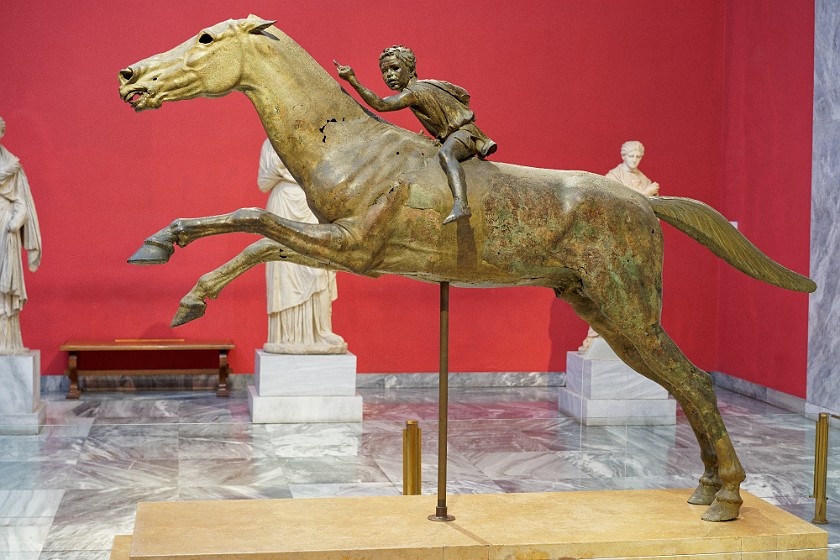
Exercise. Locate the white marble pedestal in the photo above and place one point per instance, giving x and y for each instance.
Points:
(21, 409)
(292, 388)
(601, 390)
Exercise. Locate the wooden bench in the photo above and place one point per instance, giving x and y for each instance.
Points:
(74, 347)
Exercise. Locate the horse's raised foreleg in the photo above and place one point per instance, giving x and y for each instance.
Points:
(210, 285)
(343, 244)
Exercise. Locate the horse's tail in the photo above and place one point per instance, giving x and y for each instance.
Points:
(708, 227)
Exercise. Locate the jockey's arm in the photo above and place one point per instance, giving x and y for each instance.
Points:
(395, 102)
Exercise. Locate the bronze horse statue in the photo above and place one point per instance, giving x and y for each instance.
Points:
(381, 196)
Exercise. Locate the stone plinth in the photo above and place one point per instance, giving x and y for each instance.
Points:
(290, 388)
(632, 524)
(601, 390)
(21, 409)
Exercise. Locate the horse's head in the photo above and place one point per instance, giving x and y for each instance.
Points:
(210, 64)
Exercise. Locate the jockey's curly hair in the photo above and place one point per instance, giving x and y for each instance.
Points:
(403, 54)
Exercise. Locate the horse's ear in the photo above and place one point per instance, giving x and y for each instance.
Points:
(255, 25)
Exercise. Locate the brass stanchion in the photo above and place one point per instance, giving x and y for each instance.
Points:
(821, 469)
(443, 405)
(411, 458)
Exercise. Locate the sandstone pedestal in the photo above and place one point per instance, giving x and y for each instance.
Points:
(619, 525)
(291, 388)
(601, 390)
(21, 409)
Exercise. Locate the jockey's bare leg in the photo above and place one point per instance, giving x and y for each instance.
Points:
(451, 154)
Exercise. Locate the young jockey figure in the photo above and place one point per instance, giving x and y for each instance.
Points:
(441, 107)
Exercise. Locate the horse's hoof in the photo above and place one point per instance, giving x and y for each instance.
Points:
(188, 311)
(723, 510)
(152, 252)
(703, 495)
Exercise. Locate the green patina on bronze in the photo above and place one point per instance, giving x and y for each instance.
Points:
(381, 197)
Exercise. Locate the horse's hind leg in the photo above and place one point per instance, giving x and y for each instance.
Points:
(210, 285)
(696, 412)
(693, 389)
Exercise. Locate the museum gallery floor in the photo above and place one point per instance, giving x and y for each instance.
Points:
(66, 493)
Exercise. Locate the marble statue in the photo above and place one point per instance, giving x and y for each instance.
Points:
(628, 173)
(442, 108)
(379, 195)
(18, 230)
(299, 297)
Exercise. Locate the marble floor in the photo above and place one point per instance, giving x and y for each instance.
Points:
(65, 493)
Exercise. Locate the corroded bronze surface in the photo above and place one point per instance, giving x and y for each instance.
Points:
(381, 197)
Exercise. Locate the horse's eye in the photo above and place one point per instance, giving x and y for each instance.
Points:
(205, 38)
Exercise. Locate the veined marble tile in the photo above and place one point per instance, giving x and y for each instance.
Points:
(197, 447)
(310, 470)
(75, 555)
(38, 448)
(22, 556)
(338, 490)
(32, 475)
(23, 534)
(203, 473)
(534, 465)
(767, 485)
(204, 412)
(135, 430)
(315, 440)
(91, 536)
(29, 503)
(497, 441)
(78, 429)
(457, 486)
(129, 448)
(105, 506)
(198, 493)
(138, 411)
(459, 468)
(101, 474)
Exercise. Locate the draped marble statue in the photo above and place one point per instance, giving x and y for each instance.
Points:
(299, 297)
(18, 230)
(628, 174)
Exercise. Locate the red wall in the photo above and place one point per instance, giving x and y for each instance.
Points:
(767, 137)
(556, 84)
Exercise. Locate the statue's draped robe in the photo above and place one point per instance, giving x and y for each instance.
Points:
(636, 180)
(17, 213)
(299, 298)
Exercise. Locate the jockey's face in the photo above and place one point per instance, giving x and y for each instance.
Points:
(395, 73)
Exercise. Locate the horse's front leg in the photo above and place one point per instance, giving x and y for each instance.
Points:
(333, 245)
(210, 285)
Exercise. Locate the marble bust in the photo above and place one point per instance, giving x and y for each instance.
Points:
(628, 173)
(299, 298)
(18, 230)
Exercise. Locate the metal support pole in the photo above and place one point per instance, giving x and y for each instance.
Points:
(443, 405)
(411, 458)
(821, 469)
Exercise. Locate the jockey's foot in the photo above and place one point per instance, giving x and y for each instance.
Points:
(459, 210)
(152, 252)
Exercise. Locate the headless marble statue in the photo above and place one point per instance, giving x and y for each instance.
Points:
(18, 230)
(628, 174)
(299, 297)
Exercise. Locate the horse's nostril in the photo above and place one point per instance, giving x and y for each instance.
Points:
(126, 74)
